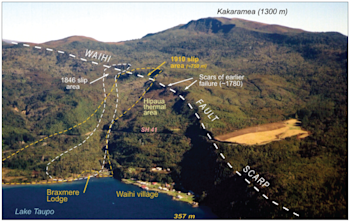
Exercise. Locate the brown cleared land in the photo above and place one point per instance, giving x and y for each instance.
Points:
(266, 133)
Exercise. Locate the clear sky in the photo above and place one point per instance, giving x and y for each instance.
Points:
(112, 22)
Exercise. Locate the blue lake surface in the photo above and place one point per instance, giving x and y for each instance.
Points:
(98, 202)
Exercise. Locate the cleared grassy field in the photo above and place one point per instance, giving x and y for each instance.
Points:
(266, 133)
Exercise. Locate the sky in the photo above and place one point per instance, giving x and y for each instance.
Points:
(119, 21)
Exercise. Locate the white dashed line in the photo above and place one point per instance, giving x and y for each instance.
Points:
(104, 106)
(222, 156)
(247, 181)
(208, 135)
(296, 214)
(275, 203)
(196, 114)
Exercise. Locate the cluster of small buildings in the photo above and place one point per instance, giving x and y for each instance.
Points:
(163, 188)
(160, 169)
(144, 187)
(142, 182)
(166, 188)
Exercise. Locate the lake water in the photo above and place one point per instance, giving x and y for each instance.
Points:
(98, 202)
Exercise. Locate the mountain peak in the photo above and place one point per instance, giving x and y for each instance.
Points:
(225, 25)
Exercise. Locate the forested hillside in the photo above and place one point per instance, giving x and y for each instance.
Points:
(289, 73)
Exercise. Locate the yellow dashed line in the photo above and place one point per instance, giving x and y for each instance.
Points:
(62, 131)
(110, 165)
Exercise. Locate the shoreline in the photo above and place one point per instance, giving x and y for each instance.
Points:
(175, 194)
(51, 181)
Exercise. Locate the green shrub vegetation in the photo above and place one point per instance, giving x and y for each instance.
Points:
(291, 74)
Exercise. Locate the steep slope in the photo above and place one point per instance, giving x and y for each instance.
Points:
(289, 73)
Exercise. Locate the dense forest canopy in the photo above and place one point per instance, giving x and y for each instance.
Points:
(289, 73)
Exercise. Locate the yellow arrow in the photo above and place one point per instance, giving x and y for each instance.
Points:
(156, 68)
(86, 183)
